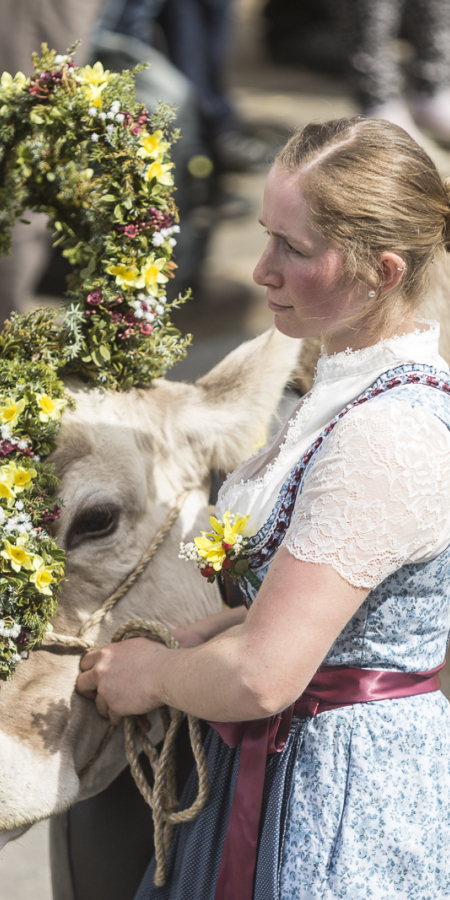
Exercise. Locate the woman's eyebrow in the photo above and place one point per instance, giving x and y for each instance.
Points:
(280, 234)
(286, 237)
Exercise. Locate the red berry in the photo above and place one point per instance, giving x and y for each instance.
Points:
(227, 563)
(226, 546)
(207, 571)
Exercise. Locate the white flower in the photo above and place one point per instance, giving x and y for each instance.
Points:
(110, 115)
(102, 115)
(2, 516)
(159, 308)
(110, 128)
(94, 137)
(18, 504)
(36, 457)
(139, 313)
(5, 432)
(120, 118)
(61, 59)
(172, 242)
(175, 229)
(92, 111)
(16, 657)
(165, 232)
(115, 106)
(11, 632)
(157, 239)
(162, 299)
(22, 445)
(149, 316)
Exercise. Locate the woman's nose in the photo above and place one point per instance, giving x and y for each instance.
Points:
(266, 272)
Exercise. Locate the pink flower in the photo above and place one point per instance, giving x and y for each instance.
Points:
(146, 329)
(157, 220)
(95, 297)
(129, 318)
(130, 231)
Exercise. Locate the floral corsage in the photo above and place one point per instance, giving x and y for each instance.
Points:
(221, 550)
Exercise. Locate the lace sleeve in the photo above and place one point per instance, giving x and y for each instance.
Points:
(378, 496)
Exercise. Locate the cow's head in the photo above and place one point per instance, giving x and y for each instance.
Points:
(122, 460)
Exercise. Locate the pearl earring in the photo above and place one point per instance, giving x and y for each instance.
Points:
(372, 293)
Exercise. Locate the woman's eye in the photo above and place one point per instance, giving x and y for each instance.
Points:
(292, 249)
(92, 524)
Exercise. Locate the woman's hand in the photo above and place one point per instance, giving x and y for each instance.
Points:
(123, 678)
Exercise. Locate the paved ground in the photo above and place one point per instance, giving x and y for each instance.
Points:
(234, 309)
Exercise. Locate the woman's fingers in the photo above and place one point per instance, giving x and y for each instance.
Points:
(87, 682)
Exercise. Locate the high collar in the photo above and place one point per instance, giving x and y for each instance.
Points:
(421, 345)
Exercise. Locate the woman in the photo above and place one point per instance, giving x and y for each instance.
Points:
(349, 531)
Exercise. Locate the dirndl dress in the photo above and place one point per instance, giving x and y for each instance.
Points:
(357, 804)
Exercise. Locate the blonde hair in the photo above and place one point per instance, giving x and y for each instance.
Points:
(371, 188)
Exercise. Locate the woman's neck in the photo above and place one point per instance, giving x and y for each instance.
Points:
(358, 339)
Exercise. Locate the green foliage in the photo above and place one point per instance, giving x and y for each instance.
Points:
(76, 145)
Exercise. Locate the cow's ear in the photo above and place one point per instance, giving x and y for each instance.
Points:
(237, 399)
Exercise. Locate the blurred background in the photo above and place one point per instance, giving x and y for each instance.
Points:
(243, 74)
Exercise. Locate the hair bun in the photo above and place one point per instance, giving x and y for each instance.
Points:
(446, 229)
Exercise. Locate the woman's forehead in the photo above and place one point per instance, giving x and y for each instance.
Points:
(285, 209)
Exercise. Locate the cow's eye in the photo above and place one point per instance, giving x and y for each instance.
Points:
(91, 524)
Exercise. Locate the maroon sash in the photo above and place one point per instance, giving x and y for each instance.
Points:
(330, 688)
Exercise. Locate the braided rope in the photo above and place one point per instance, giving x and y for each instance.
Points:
(163, 797)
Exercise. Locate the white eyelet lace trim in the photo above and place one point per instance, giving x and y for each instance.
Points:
(378, 495)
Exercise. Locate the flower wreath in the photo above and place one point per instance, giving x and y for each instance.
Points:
(75, 144)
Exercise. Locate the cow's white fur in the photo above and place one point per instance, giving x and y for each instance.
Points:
(138, 450)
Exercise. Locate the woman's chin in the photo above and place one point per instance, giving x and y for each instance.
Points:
(285, 325)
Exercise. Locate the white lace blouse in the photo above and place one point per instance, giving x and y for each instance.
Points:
(378, 495)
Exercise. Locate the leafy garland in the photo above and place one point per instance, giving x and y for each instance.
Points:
(75, 144)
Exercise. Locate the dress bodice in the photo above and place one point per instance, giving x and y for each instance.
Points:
(404, 622)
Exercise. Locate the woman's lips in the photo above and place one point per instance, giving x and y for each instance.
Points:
(277, 307)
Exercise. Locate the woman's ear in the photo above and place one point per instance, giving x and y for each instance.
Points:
(391, 267)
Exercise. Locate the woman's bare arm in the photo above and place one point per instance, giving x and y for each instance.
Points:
(251, 670)
(207, 628)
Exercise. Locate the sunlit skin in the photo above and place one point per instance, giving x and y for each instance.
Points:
(237, 666)
(303, 275)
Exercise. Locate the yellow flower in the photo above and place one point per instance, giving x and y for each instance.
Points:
(151, 275)
(211, 551)
(229, 531)
(50, 409)
(93, 80)
(14, 479)
(10, 410)
(42, 577)
(17, 555)
(22, 478)
(161, 172)
(126, 276)
(211, 544)
(6, 493)
(95, 74)
(152, 145)
(18, 83)
(6, 484)
(94, 94)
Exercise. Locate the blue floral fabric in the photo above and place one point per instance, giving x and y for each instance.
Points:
(357, 805)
